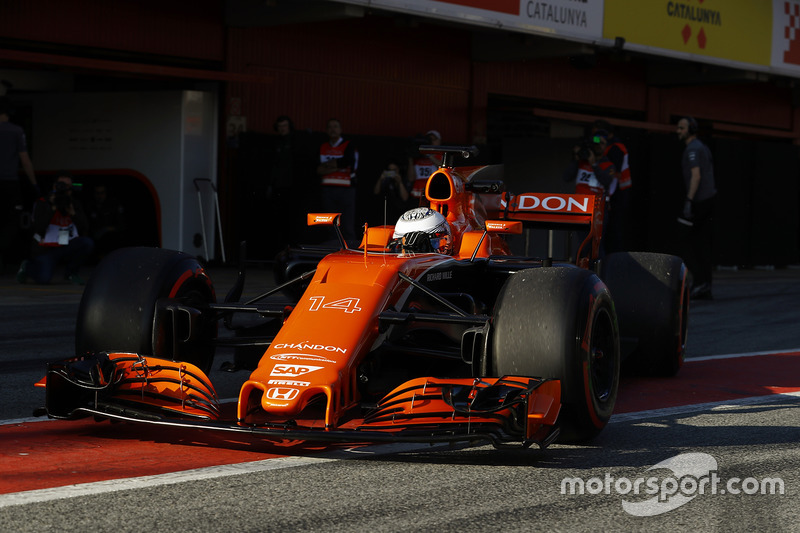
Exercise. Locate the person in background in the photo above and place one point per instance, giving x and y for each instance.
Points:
(60, 236)
(338, 164)
(593, 174)
(423, 165)
(697, 215)
(618, 236)
(285, 181)
(13, 154)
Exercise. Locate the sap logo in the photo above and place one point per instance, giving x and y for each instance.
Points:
(531, 202)
(284, 394)
(292, 371)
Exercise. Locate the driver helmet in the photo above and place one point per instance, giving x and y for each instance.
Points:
(423, 230)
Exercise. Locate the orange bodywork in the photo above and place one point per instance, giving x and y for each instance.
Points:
(328, 333)
(468, 212)
(175, 386)
(432, 400)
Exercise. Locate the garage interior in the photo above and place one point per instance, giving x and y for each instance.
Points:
(523, 99)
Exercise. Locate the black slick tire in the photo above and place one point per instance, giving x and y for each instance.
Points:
(651, 293)
(559, 322)
(117, 310)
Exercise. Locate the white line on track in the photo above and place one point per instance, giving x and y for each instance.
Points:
(211, 472)
(699, 407)
(735, 355)
(115, 485)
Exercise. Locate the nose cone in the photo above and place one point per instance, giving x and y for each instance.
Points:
(284, 400)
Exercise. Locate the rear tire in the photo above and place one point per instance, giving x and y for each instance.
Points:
(651, 293)
(560, 323)
(118, 306)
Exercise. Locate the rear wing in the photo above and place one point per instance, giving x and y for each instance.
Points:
(582, 212)
(551, 208)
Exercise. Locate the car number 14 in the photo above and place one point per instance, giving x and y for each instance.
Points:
(348, 305)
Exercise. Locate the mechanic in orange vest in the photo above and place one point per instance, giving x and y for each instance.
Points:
(593, 174)
(422, 166)
(618, 235)
(338, 163)
(60, 227)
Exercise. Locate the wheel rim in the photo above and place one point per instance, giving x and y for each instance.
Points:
(602, 364)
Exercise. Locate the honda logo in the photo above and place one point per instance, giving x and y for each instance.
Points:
(283, 394)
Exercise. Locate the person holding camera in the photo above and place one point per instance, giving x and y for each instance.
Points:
(595, 174)
(60, 228)
(393, 190)
(592, 171)
(619, 233)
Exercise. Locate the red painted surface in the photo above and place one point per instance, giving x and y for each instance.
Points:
(378, 77)
(38, 455)
(712, 381)
(186, 29)
(501, 6)
(50, 454)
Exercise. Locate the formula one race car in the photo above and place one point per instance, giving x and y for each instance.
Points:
(429, 331)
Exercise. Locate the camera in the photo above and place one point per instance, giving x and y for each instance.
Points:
(61, 197)
(388, 177)
(584, 152)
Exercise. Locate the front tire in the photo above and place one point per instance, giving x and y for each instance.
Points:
(560, 323)
(118, 308)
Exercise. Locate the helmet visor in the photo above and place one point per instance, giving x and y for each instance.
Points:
(440, 242)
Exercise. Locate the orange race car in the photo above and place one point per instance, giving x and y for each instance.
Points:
(428, 331)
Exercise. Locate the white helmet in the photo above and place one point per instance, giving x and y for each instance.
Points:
(423, 230)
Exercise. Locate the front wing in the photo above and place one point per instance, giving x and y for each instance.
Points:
(135, 388)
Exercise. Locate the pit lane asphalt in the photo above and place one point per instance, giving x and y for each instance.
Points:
(476, 489)
(37, 325)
